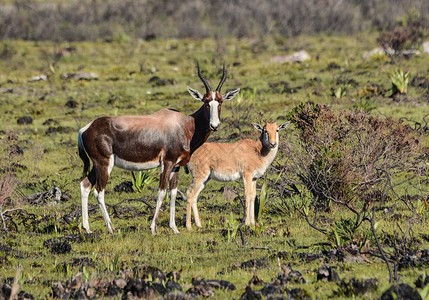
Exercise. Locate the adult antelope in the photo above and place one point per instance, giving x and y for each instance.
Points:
(166, 138)
(246, 159)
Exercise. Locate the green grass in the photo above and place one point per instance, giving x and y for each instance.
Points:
(123, 88)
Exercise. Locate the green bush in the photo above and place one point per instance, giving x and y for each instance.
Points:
(347, 156)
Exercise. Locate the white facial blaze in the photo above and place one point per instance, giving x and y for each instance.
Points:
(214, 112)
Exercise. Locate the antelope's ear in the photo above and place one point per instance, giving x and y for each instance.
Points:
(230, 95)
(195, 94)
(283, 126)
(258, 127)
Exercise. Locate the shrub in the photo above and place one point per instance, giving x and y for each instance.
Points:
(406, 36)
(87, 19)
(346, 156)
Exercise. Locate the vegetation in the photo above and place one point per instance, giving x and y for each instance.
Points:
(110, 20)
(399, 81)
(347, 190)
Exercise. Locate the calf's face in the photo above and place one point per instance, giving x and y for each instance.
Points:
(270, 133)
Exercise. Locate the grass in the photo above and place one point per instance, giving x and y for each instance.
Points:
(123, 88)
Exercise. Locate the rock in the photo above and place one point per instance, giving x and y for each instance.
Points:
(401, 291)
(289, 275)
(124, 186)
(332, 66)
(140, 289)
(6, 90)
(355, 287)
(80, 76)
(270, 290)
(57, 290)
(15, 150)
(298, 293)
(71, 103)
(376, 51)
(156, 81)
(251, 295)
(58, 129)
(120, 282)
(172, 286)
(25, 120)
(41, 77)
(327, 273)
(296, 57)
(334, 255)
(214, 283)
(52, 197)
(50, 122)
(408, 53)
(201, 290)
(309, 256)
(91, 293)
(179, 295)
(253, 263)
(61, 247)
(174, 275)
(22, 295)
(255, 280)
(113, 290)
(76, 282)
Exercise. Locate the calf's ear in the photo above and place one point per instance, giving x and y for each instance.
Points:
(258, 127)
(283, 126)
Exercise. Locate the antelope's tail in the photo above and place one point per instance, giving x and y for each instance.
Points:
(82, 154)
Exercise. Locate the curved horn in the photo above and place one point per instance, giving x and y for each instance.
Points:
(223, 78)
(206, 84)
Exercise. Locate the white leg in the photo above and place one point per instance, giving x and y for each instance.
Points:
(252, 203)
(195, 208)
(100, 199)
(84, 193)
(161, 196)
(173, 194)
(247, 179)
(192, 193)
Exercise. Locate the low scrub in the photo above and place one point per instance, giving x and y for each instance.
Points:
(121, 20)
(349, 156)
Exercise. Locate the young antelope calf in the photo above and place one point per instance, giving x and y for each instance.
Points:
(246, 159)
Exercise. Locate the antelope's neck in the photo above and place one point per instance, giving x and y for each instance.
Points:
(202, 129)
(267, 154)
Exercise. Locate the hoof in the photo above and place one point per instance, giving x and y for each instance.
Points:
(174, 228)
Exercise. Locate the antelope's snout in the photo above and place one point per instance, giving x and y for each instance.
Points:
(214, 127)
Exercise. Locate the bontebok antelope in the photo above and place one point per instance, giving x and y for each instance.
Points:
(166, 138)
(246, 159)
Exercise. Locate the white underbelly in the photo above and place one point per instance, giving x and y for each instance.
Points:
(224, 177)
(133, 166)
